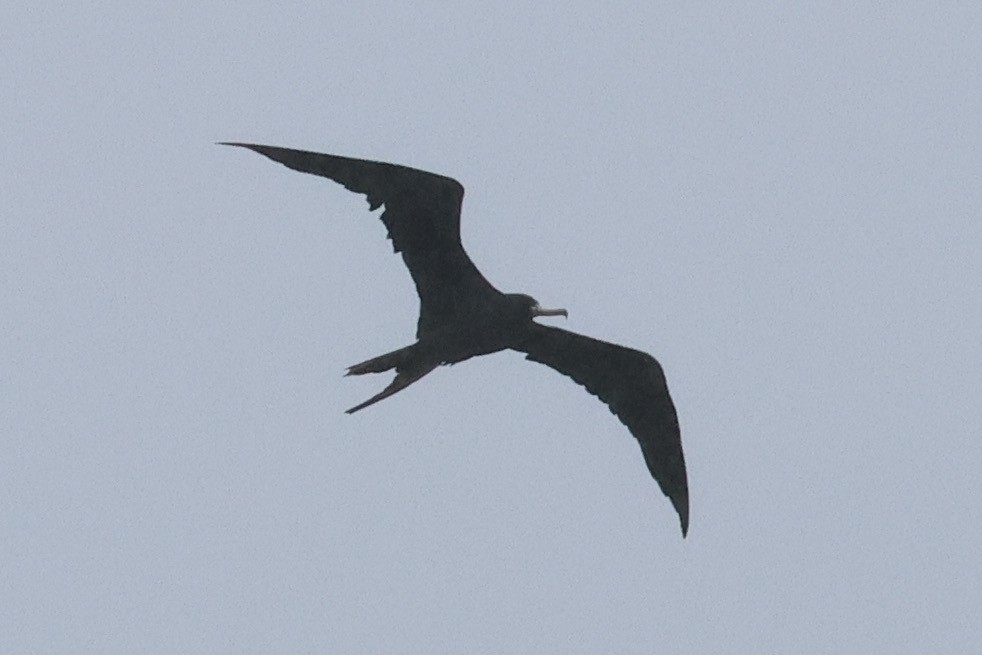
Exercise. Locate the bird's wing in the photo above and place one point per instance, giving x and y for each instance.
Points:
(422, 214)
(633, 386)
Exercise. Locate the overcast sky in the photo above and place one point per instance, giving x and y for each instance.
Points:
(780, 202)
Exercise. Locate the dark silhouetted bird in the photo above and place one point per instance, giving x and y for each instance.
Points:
(462, 315)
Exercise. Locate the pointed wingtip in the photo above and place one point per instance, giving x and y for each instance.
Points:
(683, 509)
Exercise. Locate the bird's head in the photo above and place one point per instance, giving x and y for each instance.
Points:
(532, 308)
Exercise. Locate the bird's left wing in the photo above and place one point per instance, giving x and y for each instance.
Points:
(633, 386)
(422, 215)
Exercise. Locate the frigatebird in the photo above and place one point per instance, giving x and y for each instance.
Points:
(462, 315)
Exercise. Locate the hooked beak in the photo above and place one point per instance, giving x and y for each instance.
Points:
(539, 311)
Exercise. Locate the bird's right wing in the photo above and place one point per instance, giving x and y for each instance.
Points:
(422, 214)
(633, 386)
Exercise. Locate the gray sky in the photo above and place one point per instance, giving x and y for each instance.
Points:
(779, 202)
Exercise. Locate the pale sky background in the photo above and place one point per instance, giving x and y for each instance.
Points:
(779, 201)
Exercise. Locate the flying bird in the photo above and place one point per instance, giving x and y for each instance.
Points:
(462, 315)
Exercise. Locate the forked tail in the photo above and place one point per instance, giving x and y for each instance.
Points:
(408, 363)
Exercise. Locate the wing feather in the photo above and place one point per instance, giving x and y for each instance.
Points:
(633, 386)
(422, 216)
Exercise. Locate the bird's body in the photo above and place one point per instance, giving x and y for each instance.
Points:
(505, 321)
(462, 315)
